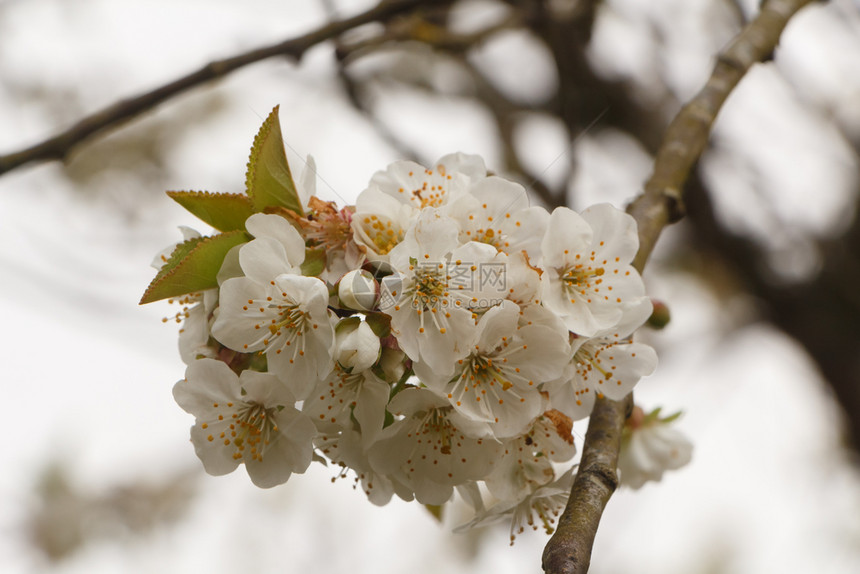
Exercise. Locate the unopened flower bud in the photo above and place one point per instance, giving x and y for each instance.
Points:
(357, 290)
(357, 346)
(660, 316)
(393, 363)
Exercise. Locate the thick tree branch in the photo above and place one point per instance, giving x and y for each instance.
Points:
(686, 137)
(59, 146)
(569, 549)
(661, 203)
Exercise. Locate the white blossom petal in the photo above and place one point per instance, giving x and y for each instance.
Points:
(248, 419)
(275, 227)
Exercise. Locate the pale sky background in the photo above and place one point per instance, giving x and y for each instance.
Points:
(88, 373)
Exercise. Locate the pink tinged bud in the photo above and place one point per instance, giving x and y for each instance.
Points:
(358, 290)
(660, 316)
(357, 347)
(637, 417)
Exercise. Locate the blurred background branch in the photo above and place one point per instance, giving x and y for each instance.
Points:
(59, 146)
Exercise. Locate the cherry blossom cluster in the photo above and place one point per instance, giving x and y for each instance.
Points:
(447, 340)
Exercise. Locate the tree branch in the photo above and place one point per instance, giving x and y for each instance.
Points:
(569, 549)
(686, 137)
(59, 146)
(661, 203)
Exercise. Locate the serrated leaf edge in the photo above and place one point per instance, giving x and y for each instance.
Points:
(256, 150)
(263, 133)
(162, 274)
(197, 194)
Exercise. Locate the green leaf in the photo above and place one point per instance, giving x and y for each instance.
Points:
(193, 266)
(268, 180)
(179, 253)
(223, 211)
(314, 262)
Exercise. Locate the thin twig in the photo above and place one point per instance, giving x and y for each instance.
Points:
(504, 112)
(661, 203)
(500, 107)
(428, 33)
(59, 146)
(354, 93)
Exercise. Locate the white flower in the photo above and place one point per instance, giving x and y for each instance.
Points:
(195, 331)
(278, 248)
(329, 229)
(287, 318)
(395, 197)
(421, 187)
(608, 364)
(356, 345)
(195, 317)
(649, 447)
(431, 295)
(527, 461)
(540, 507)
(496, 211)
(497, 382)
(347, 449)
(588, 280)
(431, 447)
(248, 419)
(380, 223)
(342, 395)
